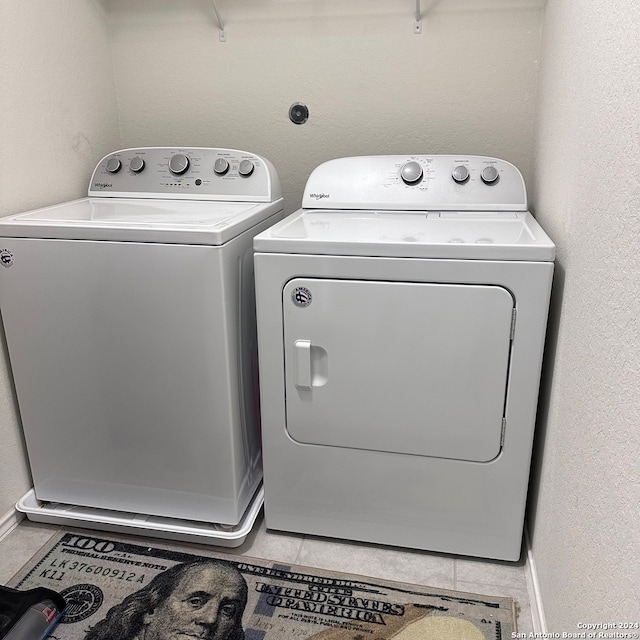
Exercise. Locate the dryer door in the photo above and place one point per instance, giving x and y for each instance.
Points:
(414, 368)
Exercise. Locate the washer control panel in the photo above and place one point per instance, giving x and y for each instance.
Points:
(418, 182)
(194, 173)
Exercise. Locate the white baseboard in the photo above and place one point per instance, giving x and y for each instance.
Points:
(533, 587)
(9, 521)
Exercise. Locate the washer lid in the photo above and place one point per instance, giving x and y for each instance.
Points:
(414, 234)
(131, 220)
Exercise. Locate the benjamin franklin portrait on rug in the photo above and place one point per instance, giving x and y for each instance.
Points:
(204, 599)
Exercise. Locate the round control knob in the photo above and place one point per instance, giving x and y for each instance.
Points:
(411, 173)
(246, 168)
(136, 165)
(113, 165)
(221, 166)
(489, 174)
(179, 164)
(460, 174)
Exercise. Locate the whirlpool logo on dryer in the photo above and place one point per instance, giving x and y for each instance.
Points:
(319, 196)
(103, 185)
(6, 258)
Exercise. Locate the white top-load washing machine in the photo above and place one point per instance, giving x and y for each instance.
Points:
(401, 330)
(130, 324)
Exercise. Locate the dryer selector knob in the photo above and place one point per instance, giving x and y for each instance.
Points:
(490, 174)
(113, 165)
(179, 164)
(460, 174)
(411, 173)
(246, 168)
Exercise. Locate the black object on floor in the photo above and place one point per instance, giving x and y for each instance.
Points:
(29, 615)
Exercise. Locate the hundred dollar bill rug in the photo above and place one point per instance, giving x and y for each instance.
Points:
(124, 591)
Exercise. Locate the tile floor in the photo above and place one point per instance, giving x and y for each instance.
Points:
(436, 570)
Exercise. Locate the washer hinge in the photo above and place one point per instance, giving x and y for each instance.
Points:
(513, 322)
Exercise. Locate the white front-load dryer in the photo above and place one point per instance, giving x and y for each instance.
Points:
(401, 329)
(130, 324)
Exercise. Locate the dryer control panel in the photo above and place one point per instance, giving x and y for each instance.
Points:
(417, 183)
(192, 173)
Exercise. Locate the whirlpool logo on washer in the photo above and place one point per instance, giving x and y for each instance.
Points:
(6, 258)
(319, 196)
(301, 297)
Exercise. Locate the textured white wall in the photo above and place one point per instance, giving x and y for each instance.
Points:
(58, 117)
(465, 85)
(586, 523)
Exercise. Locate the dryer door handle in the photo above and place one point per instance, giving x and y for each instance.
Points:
(303, 364)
